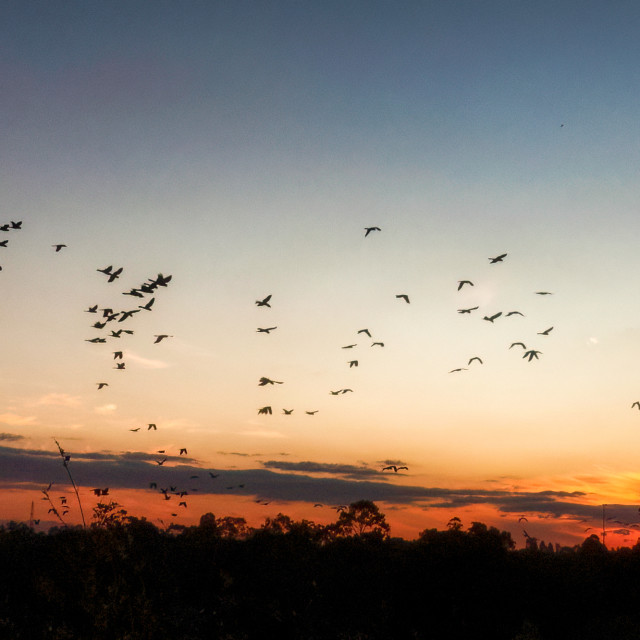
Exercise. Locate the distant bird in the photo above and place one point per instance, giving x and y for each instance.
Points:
(127, 314)
(499, 258)
(95, 340)
(16, 225)
(135, 430)
(147, 306)
(544, 293)
(264, 381)
(515, 313)
(93, 309)
(99, 325)
(160, 462)
(531, 354)
(377, 344)
(264, 302)
(182, 504)
(213, 475)
(119, 366)
(545, 332)
(106, 270)
(101, 385)
(183, 451)
(136, 293)
(518, 344)
(311, 413)
(394, 467)
(117, 355)
(350, 346)
(475, 358)
(265, 410)
(458, 369)
(346, 391)
(493, 317)
(159, 338)
(467, 310)
(521, 518)
(353, 363)
(366, 331)
(368, 230)
(461, 283)
(152, 426)
(335, 393)
(58, 247)
(287, 412)
(404, 297)
(266, 329)
(116, 334)
(636, 404)
(4, 243)
(115, 274)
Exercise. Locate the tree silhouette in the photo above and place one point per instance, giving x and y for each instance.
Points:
(361, 518)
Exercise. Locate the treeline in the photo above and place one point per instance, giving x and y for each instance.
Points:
(122, 578)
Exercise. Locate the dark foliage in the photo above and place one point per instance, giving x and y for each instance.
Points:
(128, 580)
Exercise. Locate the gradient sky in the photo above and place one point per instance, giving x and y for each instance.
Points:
(243, 147)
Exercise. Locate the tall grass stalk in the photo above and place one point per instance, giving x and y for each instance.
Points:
(65, 461)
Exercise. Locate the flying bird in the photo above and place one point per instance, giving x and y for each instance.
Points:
(636, 404)
(264, 381)
(147, 306)
(311, 413)
(58, 247)
(135, 430)
(404, 296)
(467, 310)
(119, 366)
(183, 451)
(265, 330)
(545, 332)
(518, 344)
(95, 340)
(115, 274)
(287, 412)
(152, 426)
(16, 225)
(350, 346)
(493, 317)
(515, 313)
(368, 230)
(394, 467)
(264, 302)
(117, 355)
(93, 309)
(365, 331)
(102, 385)
(353, 363)
(499, 258)
(106, 270)
(531, 354)
(265, 410)
(160, 462)
(461, 283)
(459, 369)
(159, 338)
(127, 314)
(544, 293)
(475, 358)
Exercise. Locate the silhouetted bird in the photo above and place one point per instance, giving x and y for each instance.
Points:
(467, 310)
(475, 358)
(404, 297)
(350, 346)
(311, 413)
(147, 306)
(459, 369)
(531, 354)
(265, 330)
(135, 430)
(117, 355)
(377, 344)
(545, 332)
(264, 302)
(353, 363)
(493, 317)
(636, 404)
(264, 381)
(265, 410)
(365, 331)
(159, 338)
(499, 258)
(461, 283)
(16, 225)
(515, 313)
(519, 344)
(106, 270)
(160, 462)
(368, 230)
(133, 292)
(183, 451)
(152, 426)
(287, 412)
(102, 385)
(58, 246)
(394, 467)
(119, 366)
(127, 314)
(93, 309)
(95, 340)
(99, 325)
(544, 293)
(115, 274)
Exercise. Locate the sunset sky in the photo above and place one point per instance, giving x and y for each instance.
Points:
(243, 148)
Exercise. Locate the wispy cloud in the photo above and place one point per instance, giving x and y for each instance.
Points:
(15, 420)
(10, 437)
(146, 363)
(348, 470)
(105, 409)
(59, 400)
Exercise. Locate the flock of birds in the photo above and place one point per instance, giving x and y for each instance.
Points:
(110, 325)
